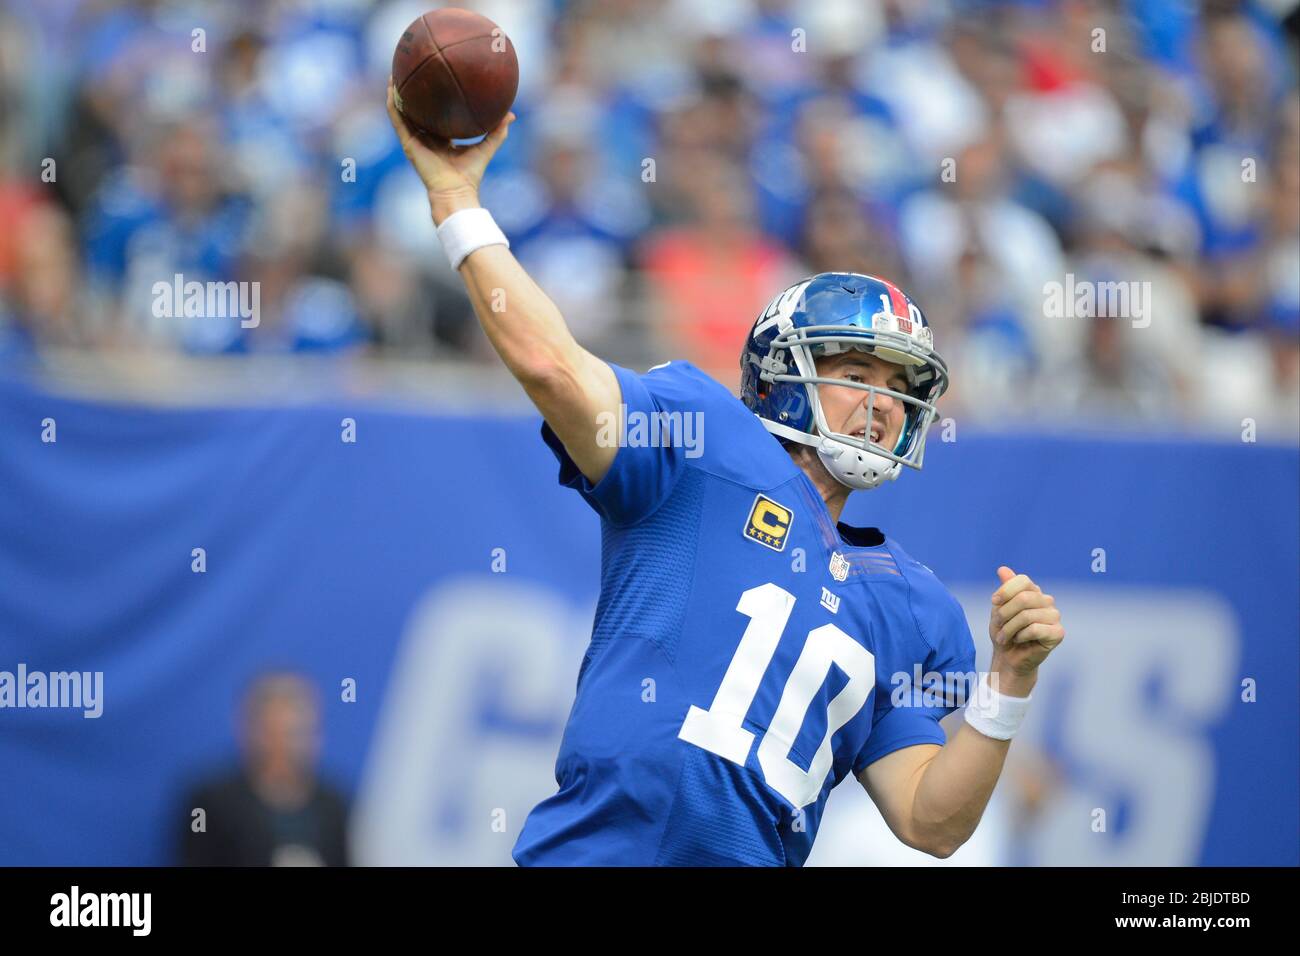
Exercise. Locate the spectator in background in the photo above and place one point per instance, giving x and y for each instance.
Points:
(714, 121)
(683, 143)
(40, 292)
(1281, 261)
(412, 306)
(834, 142)
(1063, 120)
(975, 210)
(572, 223)
(265, 152)
(839, 236)
(938, 109)
(268, 158)
(1232, 130)
(1134, 367)
(307, 307)
(993, 358)
(709, 279)
(169, 214)
(273, 810)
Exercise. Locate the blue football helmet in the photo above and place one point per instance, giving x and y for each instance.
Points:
(828, 314)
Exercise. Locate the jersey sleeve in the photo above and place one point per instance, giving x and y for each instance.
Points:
(644, 471)
(951, 651)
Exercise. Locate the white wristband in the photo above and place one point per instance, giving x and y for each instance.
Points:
(996, 715)
(466, 230)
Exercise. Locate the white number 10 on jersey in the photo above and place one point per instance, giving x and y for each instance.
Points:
(719, 729)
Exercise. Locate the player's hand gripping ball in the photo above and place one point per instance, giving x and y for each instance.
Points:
(455, 74)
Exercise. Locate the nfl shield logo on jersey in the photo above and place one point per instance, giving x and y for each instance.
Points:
(839, 566)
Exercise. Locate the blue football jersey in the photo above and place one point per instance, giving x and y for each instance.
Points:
(746, 649)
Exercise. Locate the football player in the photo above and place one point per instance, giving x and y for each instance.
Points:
(749, 651)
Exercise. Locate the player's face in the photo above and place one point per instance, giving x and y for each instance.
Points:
(846, 408)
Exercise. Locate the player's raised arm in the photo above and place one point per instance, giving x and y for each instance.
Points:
(570, 386)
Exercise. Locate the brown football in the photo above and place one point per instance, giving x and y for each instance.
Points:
(455, 74)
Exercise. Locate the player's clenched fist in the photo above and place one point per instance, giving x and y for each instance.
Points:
(1024, 624)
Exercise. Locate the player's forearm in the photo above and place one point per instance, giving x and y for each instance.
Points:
(524, 326)
(955, 788)
(572, 388)
(520, 320)
(957, 783)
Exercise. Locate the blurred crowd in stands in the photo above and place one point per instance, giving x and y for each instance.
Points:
(675, 164)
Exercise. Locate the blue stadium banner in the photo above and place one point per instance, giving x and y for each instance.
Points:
(153, 560)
